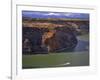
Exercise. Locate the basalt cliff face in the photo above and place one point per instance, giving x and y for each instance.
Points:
(43, 40)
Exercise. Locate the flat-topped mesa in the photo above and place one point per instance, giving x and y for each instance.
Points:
(79, 27)
(42, 25)
(51, 22)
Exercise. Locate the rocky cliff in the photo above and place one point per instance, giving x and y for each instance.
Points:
(43, 40)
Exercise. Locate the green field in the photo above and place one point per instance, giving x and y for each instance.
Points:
(74, 58)
(56, 60)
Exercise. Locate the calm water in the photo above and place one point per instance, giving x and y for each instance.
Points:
(83, 43)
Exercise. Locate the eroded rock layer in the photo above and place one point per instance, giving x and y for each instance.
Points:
(44, 40)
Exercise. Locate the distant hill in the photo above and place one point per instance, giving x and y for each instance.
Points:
(66, 15)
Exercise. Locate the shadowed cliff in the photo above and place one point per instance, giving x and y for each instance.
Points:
(43, 40)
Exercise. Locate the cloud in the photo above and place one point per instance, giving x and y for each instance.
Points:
(55, 14)
(68, 14)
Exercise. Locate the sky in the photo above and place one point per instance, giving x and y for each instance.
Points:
(69, 15)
